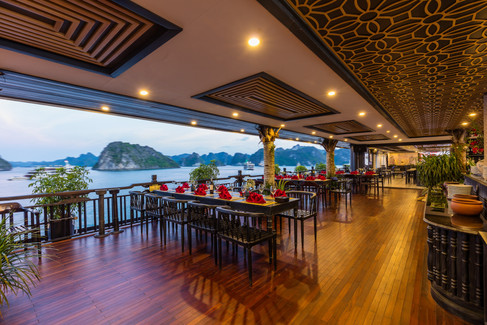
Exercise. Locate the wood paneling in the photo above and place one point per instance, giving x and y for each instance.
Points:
(368, 266)
(267, 96)
(342, 127)
(370, 137)
(99, 33)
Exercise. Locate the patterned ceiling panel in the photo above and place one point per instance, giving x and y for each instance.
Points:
(99, 35)
(267, 96)
(343, 127)
(370, 137)
(424, 62)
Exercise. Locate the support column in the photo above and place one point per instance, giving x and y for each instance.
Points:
(459, 147)
(330, 145)
(268, 135)
(485, 126)
(358, 156)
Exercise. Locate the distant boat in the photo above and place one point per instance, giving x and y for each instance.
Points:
(261, 164)
(49, 170)
(249, 166)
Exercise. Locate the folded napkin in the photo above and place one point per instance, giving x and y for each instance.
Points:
(224, 194)
(279, 193)
(340, 172)
(323, 172)
(310, 178)
(154, 187)
(255, 198)
(287, 176)
(295, 177)
(185, 185)
(355, 172)
(370, 172)
(222, 188)
(321, 177)
(164, 187)
(200, 191)
(203, 186)
(179, 189)
(278, 177)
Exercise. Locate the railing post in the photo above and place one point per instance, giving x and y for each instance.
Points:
(284, 171)
(101, 213)
(312, 171)
(239, 179)
(154, 178)
(116, 226)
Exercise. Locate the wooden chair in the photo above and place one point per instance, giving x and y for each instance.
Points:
(137, 209)
(175, 211)
(339, 188)
(155, 209)
(247, 230)
(307, 208)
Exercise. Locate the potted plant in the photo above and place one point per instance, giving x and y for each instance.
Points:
(60, 209)
(204, 172)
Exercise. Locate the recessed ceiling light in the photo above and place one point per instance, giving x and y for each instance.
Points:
(235, 114)
(379, 125)
(464, 123)
(193, 123)
(345, 140)
(254, 41)
(400, 139)
(361, 114)
(143, 92)
(282, 125)
(472, 114)
(242, 130)
(331, 93)
(331, 137)
(297, 139)
(105, 108)
(395, 135)
(388, 131)
(316, 141)
(314, 132)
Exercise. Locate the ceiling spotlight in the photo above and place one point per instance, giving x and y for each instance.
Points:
(331, 137)
(314, 132)
(297, 139)
(282, 125)
(361, 114)
(143, 92)
(331, 93)
(388, 131)
(464, 123)
(105, 108)
(472, 114)
(254, 41)
(400, 139)
(242, 130)
(345, 140)
(193, 123)
(316, 141)
(235, 114)
(379, 125)
(395, 135)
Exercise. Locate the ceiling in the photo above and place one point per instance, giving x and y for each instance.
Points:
(415, 68)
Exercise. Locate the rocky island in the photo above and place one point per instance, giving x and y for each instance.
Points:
(4, 165)
(125, 156)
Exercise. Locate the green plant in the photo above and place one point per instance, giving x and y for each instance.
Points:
(204, 172)
(277, 170)
(435, 170)
(320, 167)
(62, 180)
(17, 271)
(281, 185)
(249, 184)
(300, 169)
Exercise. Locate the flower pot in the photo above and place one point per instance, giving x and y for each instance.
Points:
(60, 229)
(466, 207)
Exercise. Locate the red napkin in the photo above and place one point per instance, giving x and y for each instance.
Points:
(164, 187)
(323, 172)
(279, 193)
(222, 188)
(355, 172)
(179, 189)
(295, 177)
(200, 191)
(203, 186)
(224, 194)
(369, 172)
(340, 172)
(185, 185)
(310, 178)
(255, 198)
(279, 177)
(321, 177)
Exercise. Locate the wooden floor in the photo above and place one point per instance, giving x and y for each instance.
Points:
(367, 267)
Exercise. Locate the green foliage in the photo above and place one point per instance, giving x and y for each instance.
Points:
(300, 169)
(277, 170)
(204, 172)
(281, 185)
(435, 170)
(17, 271)
(62, 180)
(320, 167)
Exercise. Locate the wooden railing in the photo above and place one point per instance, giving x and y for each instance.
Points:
(89, 211)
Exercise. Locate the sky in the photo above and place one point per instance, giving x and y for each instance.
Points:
(33, 132)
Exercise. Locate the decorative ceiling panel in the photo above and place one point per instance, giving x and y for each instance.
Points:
(422, 63)
(97, 35)
(342, 127)
(267, 96)
(369, 137)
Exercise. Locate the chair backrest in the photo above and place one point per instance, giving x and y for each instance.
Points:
(242, 226)
(175, 209)
(202, 215)
(153, 204)
(21, 220)
(307, 200)
(137, 200)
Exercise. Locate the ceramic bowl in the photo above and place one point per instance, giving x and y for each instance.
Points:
(465, 196)
(466, 207)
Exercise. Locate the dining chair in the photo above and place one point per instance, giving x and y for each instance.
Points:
(154, 209)
(307, 208)
(202, 217)
(175, 211)
(339, 188)
(137, 208)
(247, 230)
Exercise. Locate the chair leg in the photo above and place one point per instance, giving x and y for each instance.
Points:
(295, 233)
(215, 248)
(182, 237)
(249, 263)
(274, 255)
(190, 244)
(160, 228)
(315, 226)
(165, 230)
(302, 233)
(220, 252)
(269, 242)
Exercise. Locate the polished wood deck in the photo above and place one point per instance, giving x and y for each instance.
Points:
(367, 267)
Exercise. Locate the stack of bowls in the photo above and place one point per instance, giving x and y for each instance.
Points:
(467, 205)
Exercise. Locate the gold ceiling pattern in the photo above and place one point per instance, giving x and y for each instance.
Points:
(94, 33)
(370, 137)
(265, 95)
(342, 127)
(423, 60)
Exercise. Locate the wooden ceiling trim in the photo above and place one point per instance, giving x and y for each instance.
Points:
(265, 95)
(99, 35)
(341, 127)
(369, 137)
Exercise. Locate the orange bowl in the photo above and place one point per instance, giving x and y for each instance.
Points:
(465, 196)
(465, 208)
(466, 201)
